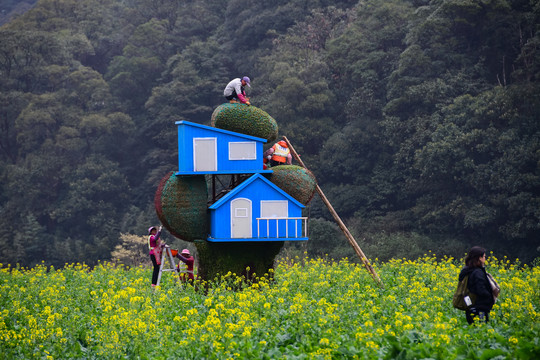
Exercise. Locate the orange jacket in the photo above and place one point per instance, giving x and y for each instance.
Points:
(280, 152)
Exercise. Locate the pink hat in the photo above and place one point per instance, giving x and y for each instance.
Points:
(185, 251)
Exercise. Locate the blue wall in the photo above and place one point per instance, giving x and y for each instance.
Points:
(187, 131)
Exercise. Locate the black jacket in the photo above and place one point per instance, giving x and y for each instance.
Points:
(478, 284)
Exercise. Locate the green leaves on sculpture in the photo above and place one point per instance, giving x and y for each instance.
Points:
(244, 119)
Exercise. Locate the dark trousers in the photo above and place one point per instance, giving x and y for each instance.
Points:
(276, 163)
(483, 316)
(156, 269)
(232, 96)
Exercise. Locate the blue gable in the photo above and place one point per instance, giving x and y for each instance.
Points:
(246, 184)
(208, 150)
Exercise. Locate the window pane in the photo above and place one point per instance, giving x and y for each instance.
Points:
(242, 151)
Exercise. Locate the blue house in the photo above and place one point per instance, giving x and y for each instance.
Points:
(208, 150)
(257, 210)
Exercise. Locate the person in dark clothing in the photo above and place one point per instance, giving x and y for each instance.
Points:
(478, 285)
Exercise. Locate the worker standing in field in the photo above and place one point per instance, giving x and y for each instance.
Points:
(235, 90)
(155, 246)
(186, 258)
(279, 154)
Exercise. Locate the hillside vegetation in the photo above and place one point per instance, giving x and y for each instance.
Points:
(419, 118)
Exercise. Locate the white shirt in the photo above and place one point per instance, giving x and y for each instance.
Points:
(233, 85)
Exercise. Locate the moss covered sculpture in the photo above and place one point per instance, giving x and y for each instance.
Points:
(219, 258)
(181, 206)
(245, 119)
(181, 202)
(296, 181)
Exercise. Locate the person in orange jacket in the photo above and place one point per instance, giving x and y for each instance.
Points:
(279, 154)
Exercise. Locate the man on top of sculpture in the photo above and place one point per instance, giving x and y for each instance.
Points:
(235, 90)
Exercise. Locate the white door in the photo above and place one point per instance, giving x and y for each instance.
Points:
(241, 218)
(204, 154)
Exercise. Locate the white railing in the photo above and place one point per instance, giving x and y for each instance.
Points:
(284, 221)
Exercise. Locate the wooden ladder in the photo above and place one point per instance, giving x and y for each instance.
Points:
(338, 220)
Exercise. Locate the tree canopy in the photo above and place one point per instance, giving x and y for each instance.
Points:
(419, 118)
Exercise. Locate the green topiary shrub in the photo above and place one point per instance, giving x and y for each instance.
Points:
(296, 181)
(181, 206)
(245, 119)
(219, 258)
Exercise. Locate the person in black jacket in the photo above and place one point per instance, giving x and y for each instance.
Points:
(478, 284)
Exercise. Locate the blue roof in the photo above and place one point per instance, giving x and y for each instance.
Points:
(206, 127)
(245, 184)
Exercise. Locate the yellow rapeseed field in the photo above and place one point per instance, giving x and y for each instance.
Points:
(312, 309)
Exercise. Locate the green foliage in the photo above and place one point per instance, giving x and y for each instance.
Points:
(250, 259)
(408, 245)
(132, 251)
(296, 181)
(309, 308)
(245, 119)
(133, 74)
(180, 203)
(418, 118)
(12, 8)
(27, 58)
(327, 240)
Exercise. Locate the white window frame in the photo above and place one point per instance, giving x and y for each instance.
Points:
(251, 154)
(269, 202)
(238, 214)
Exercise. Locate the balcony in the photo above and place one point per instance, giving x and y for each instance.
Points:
(282, 228)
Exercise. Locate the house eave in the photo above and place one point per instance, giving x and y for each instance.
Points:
(224, 172)
(211, 239)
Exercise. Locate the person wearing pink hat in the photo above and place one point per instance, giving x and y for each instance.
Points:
(155, 245)
(186, 258)
(235, 90)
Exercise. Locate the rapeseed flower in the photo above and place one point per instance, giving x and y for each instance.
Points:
(320, 308)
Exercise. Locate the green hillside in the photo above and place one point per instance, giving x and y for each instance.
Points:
(418, 118)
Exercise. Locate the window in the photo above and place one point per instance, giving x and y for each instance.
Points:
(241, 212)
(274, 208)
(242, 150)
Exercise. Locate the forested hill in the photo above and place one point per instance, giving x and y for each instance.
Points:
(12, 8)
(420, 119)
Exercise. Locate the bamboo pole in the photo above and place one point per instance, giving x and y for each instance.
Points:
(340, 223)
